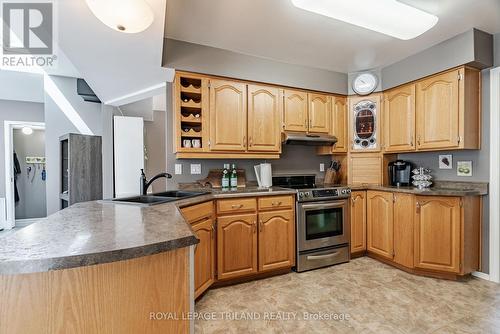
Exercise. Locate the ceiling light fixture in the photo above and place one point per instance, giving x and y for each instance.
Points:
(389, 17)
(129, 16)
(27, 130)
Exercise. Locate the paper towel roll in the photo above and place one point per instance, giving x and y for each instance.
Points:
(266, 175)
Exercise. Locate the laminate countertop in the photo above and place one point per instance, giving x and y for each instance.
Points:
(440, 188)
(98, 232)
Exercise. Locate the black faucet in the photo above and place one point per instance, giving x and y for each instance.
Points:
(145, 183)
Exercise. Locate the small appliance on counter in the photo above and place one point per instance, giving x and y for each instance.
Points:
(264, 175)
(400, 173)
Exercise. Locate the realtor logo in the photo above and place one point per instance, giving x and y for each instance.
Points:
(29, 32)
(28, 28)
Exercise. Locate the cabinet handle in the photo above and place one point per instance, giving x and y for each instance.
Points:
(261, 225)
(353, 200)
(213, 231)
(305, 124)
(418, 140)
(250, 141)
(244, 140)
(417, 205)
(237, 206)
(254, 227)
(411, 140)
(276, 203)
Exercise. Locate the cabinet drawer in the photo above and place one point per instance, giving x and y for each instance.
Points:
(276, 202)
(196, 212)
(236, 205)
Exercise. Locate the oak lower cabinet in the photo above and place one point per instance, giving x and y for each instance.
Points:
(204, 256)
(379, 219)
(403, 229)
(276, 240)
(437, 237)
(236, 246)
(358, 221)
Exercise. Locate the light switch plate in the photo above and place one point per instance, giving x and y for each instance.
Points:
(178, 169)
(195, 169)
(321, 167)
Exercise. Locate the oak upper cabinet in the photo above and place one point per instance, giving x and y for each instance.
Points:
(358, 221)
(204, 256)
(276, 240)
(437, 233)
(295, 116)
(264, 119)
(403, 229)
(448, 110)
(228, 116)
(339, 124)
(399, 119)
(236, 246)
(380, 223)
(319, 113)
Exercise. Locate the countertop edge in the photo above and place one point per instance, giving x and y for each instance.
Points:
(32, 266)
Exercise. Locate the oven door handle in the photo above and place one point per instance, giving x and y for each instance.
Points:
(322, 257)
(319, 206)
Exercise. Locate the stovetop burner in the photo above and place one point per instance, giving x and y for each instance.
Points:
(308, 190)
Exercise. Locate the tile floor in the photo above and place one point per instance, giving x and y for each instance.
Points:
(375, 297)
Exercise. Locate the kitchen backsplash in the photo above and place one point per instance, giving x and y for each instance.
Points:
(295, 159)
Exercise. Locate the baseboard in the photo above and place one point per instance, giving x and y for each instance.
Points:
(481, 275)
(26, 222)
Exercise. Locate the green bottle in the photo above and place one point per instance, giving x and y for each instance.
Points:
(234, 177)
(225, 177)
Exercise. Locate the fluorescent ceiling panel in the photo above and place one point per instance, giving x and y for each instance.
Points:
(389, 17)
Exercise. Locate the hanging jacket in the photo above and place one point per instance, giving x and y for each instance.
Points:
(17, 170)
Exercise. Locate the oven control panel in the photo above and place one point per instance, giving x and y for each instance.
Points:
(323, 193)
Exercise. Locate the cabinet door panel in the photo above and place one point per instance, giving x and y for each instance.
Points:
(403, 229)
(236, 246)
(276, 240)
(339, 123)
(399, 115)
(204, 256)
(319, 113)
(438, 111)
(295, 110)
(358, 221)
(264, 108)
(380, 223)
(437, 233)
(228, 116)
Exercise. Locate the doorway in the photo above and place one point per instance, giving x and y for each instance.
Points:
(25, 173)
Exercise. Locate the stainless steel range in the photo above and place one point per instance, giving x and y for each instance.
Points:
(322, 220)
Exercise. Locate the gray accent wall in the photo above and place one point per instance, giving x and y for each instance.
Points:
(155, 142)
(60, 118)
(30, 186)
(496, 49)
(294, 159)
(197, 58)
(16, 111)
(471, 47)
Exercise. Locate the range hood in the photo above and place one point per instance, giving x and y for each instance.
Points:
(309, 139)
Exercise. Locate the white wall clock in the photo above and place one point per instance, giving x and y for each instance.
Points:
(365, 83)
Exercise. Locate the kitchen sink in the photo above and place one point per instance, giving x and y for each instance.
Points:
(150, 200)
(158, 198)
(179, 194)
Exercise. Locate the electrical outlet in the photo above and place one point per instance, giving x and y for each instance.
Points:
(195, 169)
(321, 167)
(178, 169)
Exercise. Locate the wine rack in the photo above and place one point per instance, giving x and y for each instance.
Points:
(191, 113)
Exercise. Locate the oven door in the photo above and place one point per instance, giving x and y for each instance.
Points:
(322, 224)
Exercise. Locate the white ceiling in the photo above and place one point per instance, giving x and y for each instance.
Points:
(120, 68)
(275, 29)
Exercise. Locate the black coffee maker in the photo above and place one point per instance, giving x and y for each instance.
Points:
(400, 173)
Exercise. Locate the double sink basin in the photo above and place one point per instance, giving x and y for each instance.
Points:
(159, 198)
